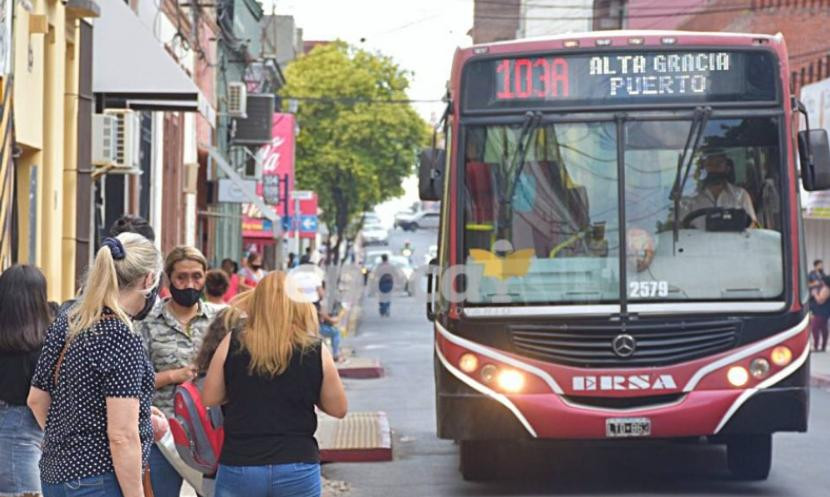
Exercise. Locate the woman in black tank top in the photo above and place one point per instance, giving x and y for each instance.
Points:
(269, 376)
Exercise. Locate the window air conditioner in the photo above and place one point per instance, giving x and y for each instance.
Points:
(104, 139)
(128, 129)
(237, 99)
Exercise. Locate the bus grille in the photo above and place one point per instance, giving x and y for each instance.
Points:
(657, 344)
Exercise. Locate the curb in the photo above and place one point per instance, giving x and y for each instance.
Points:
(820, 381)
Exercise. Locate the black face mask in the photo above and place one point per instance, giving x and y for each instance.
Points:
(149, 302)
(187, 297)
(715, 178)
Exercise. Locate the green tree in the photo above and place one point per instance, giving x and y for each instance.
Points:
(358, 137)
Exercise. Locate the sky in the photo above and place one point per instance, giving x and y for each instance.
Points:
(421, 36)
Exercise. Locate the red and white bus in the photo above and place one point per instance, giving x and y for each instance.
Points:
(621, 245)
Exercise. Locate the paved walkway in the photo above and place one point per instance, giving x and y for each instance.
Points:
(820, 369)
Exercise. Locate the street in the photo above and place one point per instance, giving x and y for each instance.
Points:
(426, 466)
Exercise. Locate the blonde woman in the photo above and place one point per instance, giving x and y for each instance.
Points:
(93, 384)
(270, 375)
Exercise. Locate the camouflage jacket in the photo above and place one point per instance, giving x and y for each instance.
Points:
(171, 345)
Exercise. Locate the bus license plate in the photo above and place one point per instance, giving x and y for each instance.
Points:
(627, 427)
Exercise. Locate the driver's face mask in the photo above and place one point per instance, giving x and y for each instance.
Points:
(715, 178)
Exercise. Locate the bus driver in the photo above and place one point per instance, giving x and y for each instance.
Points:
(718, 190)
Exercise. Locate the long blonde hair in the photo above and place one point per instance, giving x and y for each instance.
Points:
(276, 326)
(107, 277)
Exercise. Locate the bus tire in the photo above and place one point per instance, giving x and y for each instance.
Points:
(479, 460)
(749, 456)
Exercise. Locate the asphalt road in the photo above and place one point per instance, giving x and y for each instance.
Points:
(427, 466)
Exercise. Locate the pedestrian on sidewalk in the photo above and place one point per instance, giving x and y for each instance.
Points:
(231, 268)
(306, 257)
(216, 285)
(816, 277)
(820, 310)
(327, 322)
(93, 384)
(24, 317)
(385, 279)
(172, 334)
(269, 376)
(252, 273)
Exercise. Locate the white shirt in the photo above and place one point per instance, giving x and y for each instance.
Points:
(730, 197)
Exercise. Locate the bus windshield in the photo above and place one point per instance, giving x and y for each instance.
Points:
(543, 208)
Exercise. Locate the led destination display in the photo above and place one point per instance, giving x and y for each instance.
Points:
(619, 79)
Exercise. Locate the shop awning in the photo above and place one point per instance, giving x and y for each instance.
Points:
(131, 69)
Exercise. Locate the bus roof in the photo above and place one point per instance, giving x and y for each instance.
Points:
(650, 37)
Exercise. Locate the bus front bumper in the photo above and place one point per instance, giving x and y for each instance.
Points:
(469, 415)
(467, 410)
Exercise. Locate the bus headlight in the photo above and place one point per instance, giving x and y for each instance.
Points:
(781, 355)
(511, 381)
(759, 368)
(468, 363)
(737, 376)
(488, 373)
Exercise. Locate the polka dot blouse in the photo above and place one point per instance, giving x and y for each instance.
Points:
(107, 360)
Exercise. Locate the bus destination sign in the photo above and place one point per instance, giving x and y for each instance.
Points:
(619, 78)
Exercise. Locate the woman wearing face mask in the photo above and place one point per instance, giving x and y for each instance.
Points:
(172, 335)
(253, 273)
(93, 384)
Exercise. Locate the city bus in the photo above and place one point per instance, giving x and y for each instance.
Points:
(620, 252)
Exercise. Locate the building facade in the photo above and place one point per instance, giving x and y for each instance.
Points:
(48, 84)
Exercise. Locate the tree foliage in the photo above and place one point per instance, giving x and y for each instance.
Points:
(353, 149)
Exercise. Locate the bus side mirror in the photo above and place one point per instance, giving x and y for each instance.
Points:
(814, 153)
(431, 173)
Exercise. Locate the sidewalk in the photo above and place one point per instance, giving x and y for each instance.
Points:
(820, 369)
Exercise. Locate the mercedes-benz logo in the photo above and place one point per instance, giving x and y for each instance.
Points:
(624, 345)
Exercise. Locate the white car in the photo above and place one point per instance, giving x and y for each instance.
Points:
(370, 218)
(403, 217)
(422, 219)
(374, 234)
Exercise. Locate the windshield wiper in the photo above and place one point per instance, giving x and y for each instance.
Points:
(531, 123)
(684, 164)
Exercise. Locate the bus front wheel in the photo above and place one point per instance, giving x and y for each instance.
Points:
(749, 456)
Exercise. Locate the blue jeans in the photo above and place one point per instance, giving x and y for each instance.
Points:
(105, 485)
(383, 307)
(276, 480)
(167, 482)
(330, 331)
(20, 439)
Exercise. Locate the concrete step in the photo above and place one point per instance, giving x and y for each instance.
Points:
(360, 367)
(359, 437)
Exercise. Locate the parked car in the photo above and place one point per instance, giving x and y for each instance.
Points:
(370, 218)
(374, 234)
(422, 219)
(403, 217)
